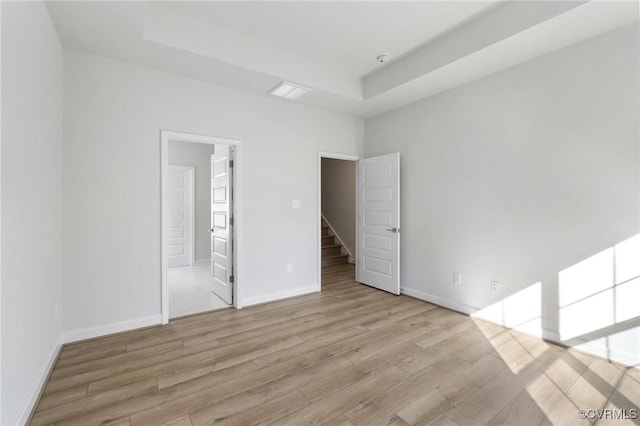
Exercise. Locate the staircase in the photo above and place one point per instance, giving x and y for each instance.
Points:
(331, 248)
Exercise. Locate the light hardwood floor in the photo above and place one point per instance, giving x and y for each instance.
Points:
(348, 355)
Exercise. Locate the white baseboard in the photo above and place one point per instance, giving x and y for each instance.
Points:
(271, 297)
(23, 417)
(103, 330)
(201, 261)
(632, 360)
(431, 298)
(549, 335)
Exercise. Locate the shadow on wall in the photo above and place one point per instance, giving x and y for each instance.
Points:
(598, 305)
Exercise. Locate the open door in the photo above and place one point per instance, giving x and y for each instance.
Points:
(378, 222)
(222, 222)
(180, 200)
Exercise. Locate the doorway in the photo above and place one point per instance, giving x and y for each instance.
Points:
(200, 253)
(337, 213)
(377, 220)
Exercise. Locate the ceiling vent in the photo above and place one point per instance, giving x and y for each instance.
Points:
(289, 90)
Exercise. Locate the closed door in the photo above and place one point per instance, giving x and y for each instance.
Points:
(222, 222)
(180, 216)
(378, 222)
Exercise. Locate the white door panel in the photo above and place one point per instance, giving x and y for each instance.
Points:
(221, 224)
(179, 216)
(378, 233)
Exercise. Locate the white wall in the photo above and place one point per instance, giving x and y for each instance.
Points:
(339, 199)
(32, 64)
(197, 155)
(519, 176)
(113, 115)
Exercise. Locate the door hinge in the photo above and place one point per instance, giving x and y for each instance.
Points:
(230, 221)
(231, 164)
(231, 279)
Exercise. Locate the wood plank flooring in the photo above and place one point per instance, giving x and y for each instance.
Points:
(350, 355)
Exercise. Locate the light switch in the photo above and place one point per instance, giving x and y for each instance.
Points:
(296, 204)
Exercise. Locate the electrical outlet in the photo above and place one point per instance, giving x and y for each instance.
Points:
(289, 268)
(457, 278)
(495, 287)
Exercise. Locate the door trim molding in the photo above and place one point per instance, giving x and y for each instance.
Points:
(165, 137)
(335, 156)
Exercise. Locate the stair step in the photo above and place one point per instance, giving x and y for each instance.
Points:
(328, 240)
(330, 250)
(335, 260)
(331, 245)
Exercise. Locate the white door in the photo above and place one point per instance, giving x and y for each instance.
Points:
(222, 222)
(378, 224)
(180, 216)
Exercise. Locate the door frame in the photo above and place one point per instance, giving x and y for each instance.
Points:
(165, 137)
(335, 156)
(192, 218)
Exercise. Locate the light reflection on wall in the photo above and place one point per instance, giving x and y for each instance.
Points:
(521, 311)
(599, 301)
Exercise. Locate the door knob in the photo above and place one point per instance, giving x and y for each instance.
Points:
(394, 230)
(210, 229)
